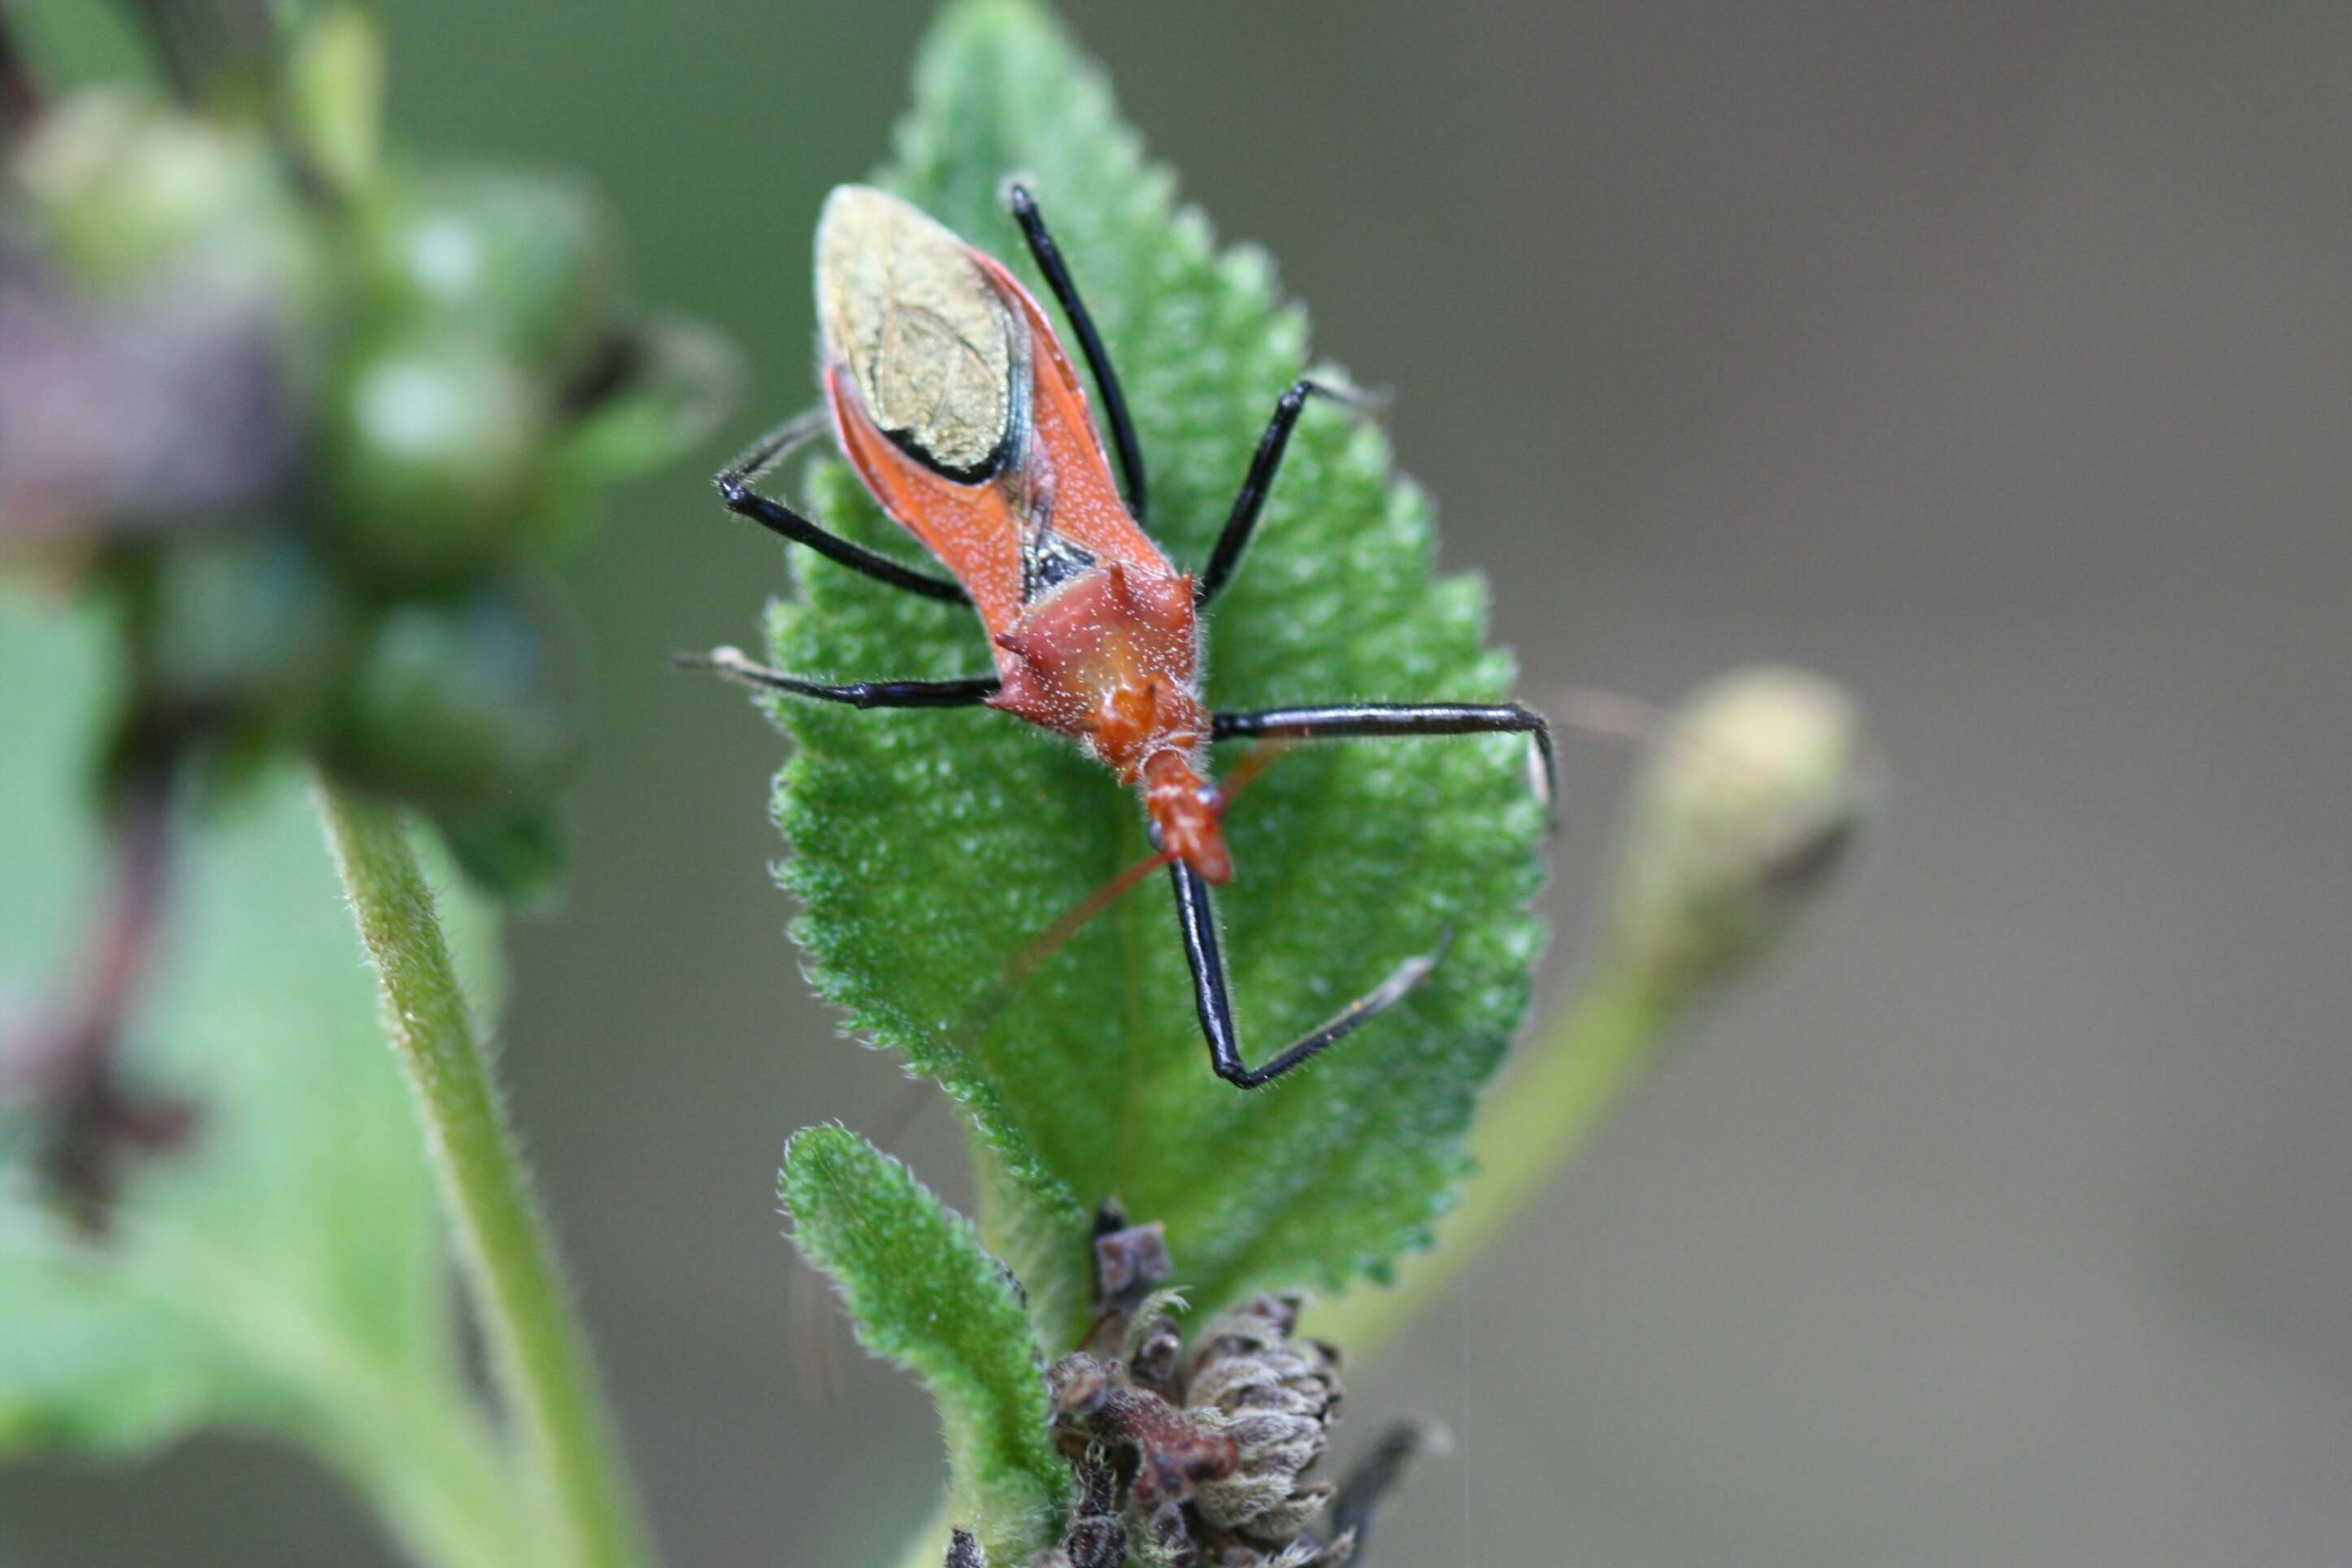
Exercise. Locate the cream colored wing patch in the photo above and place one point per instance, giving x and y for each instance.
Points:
(935, 352)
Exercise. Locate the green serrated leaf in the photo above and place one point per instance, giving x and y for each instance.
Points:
(922, 1291)
(284, 1273)
(928, 846)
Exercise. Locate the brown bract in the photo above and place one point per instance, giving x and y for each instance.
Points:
(1199, 1458)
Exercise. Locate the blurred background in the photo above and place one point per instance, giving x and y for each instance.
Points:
(1994, 359)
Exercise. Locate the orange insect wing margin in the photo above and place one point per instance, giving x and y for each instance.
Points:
(1087, 510)
(974, 530)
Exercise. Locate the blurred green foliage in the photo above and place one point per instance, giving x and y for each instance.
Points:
(291, 428)
(285, 1273)
(406, 383)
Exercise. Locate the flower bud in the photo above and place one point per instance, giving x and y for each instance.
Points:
(124, 195)
(455, 705)
(526, 263)
(433, 467)
(243, 632)
(1742, 814)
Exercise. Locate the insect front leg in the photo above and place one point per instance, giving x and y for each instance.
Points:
(1348, 720)
(735, 482)
(1198, 916)
(731, 663)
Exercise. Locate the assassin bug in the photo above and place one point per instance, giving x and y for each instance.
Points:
(952, 398)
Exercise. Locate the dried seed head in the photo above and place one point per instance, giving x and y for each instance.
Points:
(1198, 1458)
(1130, 1265)
(1078, 1385)
(1246, 1360)
(1304, 1552)
(1094, 1540)
(1154, 1348)
(1274, 1397)
(1170, 1451)
(1130, 1262)
(1166, 1541)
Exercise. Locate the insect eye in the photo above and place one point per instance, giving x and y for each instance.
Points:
(1151, 831)
(1210, 797)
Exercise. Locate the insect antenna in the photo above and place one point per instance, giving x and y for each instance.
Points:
(818, 1335)
(1077, 918)
(1633, 721)
(777, 448)
(1066, 926)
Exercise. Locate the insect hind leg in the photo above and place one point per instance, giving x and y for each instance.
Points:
(1048, 258)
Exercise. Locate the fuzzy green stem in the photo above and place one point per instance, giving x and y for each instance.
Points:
(1533, 1124)
(537, 1353)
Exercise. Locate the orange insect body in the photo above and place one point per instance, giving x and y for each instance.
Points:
(952, 399)
(956, 405)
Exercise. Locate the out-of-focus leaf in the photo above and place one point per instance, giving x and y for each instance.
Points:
(929, 846)
(680, 379)
(335, 93)
(284, 1272)
(923, 1292)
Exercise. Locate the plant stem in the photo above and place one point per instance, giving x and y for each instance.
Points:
(537, 1353)
(1533, 1124)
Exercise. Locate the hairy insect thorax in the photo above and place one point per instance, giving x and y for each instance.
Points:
(1109, 658)
(961, 412)
(1110, 662)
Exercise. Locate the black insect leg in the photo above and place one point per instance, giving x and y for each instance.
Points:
(1199, 918)
(735, 482)
(1049, 256)
(731, 663)
(1241, 521)
(1346, 720)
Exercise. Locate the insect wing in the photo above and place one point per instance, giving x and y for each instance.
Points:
(955, 403)
(1086, 510)
(938, 362)
(975, 531)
